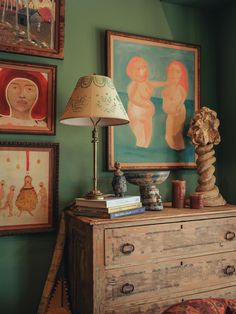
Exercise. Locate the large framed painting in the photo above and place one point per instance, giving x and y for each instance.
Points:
(28, 187)
(158, 83)
(34, 27)
(27, 98)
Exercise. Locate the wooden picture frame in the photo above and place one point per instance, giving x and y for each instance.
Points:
(33, 27)
(28, 187)
(27, 98)
(158, 83)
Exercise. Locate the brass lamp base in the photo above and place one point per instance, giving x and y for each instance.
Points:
(94, 195)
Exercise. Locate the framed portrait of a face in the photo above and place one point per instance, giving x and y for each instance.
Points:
(158, 83)
(27, 98)
(33, 27)
(28, 187)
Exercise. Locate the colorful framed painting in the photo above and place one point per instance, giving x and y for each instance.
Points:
(28, 187)
(158, 83)
(27, 98)
(33, 27)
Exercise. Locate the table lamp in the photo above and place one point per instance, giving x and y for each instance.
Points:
(94, 102)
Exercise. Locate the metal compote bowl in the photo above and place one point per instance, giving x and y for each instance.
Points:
(147, 181)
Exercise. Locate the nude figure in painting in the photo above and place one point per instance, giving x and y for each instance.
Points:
(174, 96)
(43, 197)
(9, 200)
(140, 107)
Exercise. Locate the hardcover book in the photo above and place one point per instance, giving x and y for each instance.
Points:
(109, 210)
(108, 201)
(99, 214)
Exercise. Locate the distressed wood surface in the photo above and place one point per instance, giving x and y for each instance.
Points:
(178, 254)
(164, 279)
(164, 241)
(80, 266)
(158, 307)
(169, 214)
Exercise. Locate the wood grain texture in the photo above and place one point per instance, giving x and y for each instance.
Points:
(157, 307)
(164, 279)
(164, 241)
(145, 263)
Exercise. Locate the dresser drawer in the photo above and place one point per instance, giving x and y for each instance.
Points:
(158, 242)
(165, 279)
(158, 307)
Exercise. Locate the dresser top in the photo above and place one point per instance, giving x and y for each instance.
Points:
(169, 214)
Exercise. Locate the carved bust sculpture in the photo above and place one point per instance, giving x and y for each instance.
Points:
(204, 134)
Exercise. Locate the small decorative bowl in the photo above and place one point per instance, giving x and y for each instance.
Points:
(146, 177)
(147, 181)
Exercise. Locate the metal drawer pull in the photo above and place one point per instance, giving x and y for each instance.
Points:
(229, 270)
(229, 235)
(127, 248)
(127, 288)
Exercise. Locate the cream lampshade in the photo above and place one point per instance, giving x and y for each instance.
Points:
(94, 102)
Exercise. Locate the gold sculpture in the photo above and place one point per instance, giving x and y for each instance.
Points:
(204, 133)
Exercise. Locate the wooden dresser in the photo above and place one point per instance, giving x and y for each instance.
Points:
(144, 263)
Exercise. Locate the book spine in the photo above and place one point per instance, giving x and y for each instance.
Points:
(90, 209)
(128, 212)
(122, 208)
(119, 201)
(113, 215)
(109, 209)
(91, 214)
(122, 201)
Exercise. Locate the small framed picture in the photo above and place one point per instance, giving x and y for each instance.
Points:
(158, 83)
(27, 98)
(33, 27)
(28, 187)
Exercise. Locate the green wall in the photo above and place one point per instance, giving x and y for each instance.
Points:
(226, 49)
(24, 259)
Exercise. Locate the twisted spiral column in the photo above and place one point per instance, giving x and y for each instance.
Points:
(206, 181)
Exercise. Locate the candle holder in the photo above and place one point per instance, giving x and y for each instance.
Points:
(147, 181)
(178, 193)
(196, 200)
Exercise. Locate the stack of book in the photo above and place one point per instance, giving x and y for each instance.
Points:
(109, 207)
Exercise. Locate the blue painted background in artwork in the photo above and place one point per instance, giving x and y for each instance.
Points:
(158, 58)
(126, 151)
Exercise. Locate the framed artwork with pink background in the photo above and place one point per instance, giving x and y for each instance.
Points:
(28, 187)
(27, 98)
(158, 83)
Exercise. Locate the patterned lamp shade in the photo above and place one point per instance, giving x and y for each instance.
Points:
(93, 98)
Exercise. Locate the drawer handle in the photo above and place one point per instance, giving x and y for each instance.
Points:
(229, 270)
(127, 288)
(229, 235)
(127, 248)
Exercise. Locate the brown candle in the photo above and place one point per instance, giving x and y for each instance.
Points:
(196, 200)
(178, 193)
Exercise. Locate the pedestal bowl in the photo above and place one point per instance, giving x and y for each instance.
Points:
(147, 181)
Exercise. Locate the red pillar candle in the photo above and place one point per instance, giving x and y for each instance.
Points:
(196, 200)
(178, 193)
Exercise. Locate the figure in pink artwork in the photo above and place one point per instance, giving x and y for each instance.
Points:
(174, 96)
(43, 197)
(9, 200)
(27, 198)
(140, 107)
